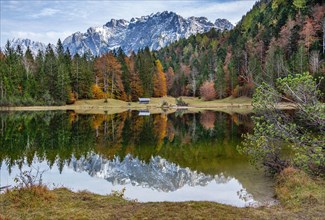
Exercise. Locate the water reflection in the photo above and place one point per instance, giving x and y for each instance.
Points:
(158, 174)
(174, 157)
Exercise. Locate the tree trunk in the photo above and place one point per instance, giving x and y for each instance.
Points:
(77, 96)
(1, 86)
(112, 84)
(324, 35)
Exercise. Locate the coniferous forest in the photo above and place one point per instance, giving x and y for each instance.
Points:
(274, 39)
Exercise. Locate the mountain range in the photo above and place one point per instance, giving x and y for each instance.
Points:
(154, 31)
(158, 174)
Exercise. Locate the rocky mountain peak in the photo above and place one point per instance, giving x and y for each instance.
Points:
(155, 31)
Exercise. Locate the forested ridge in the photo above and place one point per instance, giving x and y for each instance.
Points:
(275, 39)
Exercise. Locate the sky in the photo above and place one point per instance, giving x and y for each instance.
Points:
(48, 20)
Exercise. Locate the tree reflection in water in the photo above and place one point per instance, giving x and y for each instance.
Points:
(162, 152)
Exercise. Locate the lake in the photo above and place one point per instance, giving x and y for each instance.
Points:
(162, 157)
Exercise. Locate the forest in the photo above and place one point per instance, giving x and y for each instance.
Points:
(273, 40)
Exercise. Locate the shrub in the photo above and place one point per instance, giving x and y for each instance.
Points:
(180, 102)
(303, 130)
(207, 91)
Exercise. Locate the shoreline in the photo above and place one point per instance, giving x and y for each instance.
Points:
(98, 106)
(295, 202)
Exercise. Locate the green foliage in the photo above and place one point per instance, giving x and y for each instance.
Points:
(271, 41)
(303, 129)
(299, 3)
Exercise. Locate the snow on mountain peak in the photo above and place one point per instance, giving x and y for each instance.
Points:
(34, 46)
(155, 31)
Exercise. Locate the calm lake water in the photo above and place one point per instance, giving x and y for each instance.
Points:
(175, 157)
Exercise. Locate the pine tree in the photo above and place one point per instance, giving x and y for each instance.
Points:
(50, 71)
(123, 60)
(62, 82)
(136, 89)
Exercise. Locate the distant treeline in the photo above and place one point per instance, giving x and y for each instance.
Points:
(275, 39)
(56, 77)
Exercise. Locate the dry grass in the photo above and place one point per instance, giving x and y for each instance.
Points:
(112, 106)
(229, 101)
(301, 198)
(296, 189)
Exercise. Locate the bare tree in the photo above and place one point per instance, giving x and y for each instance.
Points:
(314, 61)
(193, 80)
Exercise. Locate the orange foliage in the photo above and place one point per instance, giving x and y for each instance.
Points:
(108, 73)
(170, 131)
(72, 98)
(97, 92)
(159, 81)
(170, 76)
(285, 33)
(72, 117)
(308, 33)
(97, 121)
(235, 92)
(20, 88)
(207, 91)
(235, 119)
(136, 87)
(160, 128)
(135, 82)
(207, 120)
(186, 69)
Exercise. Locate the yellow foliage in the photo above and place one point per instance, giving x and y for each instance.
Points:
(72, 98)
(160, 82)
(97, 121)
(97, 92)
(72, 117)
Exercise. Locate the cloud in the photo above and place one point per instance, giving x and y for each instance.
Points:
(46, 12)
(231, 10)
(49, 20)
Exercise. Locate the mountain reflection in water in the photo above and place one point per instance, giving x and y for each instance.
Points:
(158, 174)
(175, 157)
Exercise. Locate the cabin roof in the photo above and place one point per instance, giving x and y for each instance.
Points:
(144, 99)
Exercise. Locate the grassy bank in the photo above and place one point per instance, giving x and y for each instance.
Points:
(300, 198)
(111, 106)
(242, 105)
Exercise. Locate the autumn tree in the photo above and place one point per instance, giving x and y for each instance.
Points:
(308, 33)
(136, 90)
(108, 76)
(207, 119)
(159, 81)
(207, 91)
(170, 77)
(126, 75)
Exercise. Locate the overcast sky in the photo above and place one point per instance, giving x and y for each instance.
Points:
(48, 20)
